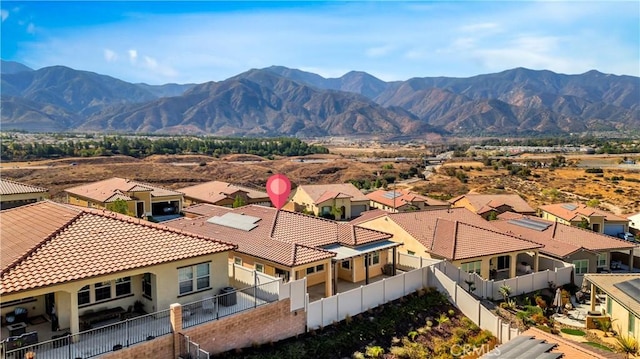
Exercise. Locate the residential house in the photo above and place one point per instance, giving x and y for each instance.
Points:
(402, 200)
(576, 214)
(143, 200)
(87, 260)
(223, 194)
(292, 245)
(634, 224)
(491, 205)
(622, 300)
(459, 236)
(338, 201)
(14, 194)
(588, 251)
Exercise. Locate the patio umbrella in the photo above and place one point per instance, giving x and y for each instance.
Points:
(557, 301)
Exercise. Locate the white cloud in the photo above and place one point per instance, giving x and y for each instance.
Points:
(152, 64)
(380, 51)
(133, 55)
(110, 55)
(485, 27)
(4, 14)
(31, 28)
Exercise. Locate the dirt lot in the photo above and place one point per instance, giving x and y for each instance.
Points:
(621, 196)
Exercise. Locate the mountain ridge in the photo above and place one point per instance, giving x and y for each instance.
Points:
(277, 100)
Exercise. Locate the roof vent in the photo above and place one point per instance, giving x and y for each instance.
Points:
(235, 221)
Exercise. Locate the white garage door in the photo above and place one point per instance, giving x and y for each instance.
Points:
(613, 229)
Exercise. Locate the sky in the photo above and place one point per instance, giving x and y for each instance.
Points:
(159, 42)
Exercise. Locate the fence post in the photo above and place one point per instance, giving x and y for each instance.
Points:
(126, 330)
(175, 316)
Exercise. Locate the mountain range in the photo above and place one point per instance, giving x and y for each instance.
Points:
(279, 101)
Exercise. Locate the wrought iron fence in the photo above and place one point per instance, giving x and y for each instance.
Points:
(95, 341)
(228, 302)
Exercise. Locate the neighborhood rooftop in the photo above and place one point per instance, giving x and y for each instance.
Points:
(322, 192)
(215, 191)
(575, 211)
(69, 243)
(8, 187)
(115, 188)
(486, 202)
(398, 197)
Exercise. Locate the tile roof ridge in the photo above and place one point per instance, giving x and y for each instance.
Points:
(274, 223)
(42, 242)
(455, 239)
(509, 234)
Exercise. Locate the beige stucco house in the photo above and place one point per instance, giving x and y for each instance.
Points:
(143, 200)
(223, 194)
(622, 300)
(14, 194)
(86, 260)
(339, 201)
(293, 245)
(459, 236)
(402, 200)
(575, 214)
(588, 251)
(488, 205)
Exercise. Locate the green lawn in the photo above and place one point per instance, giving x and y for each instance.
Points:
(573, 332)
(599, 346)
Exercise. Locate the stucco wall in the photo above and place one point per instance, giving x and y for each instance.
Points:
(620, 316)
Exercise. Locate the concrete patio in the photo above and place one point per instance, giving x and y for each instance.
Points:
(577, 316)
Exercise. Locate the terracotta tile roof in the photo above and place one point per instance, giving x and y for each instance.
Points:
(366, 216)
(575, 211)
(101, 191)
(607, 283)
(560, 240)
(322, 192)
(67, 243)
(8, 187)
(492, 201)
(458, 240)
(402, 197)
(215, 191)
(282, 237)
(569, 348)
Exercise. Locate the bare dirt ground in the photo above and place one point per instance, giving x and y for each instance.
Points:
(621, 196)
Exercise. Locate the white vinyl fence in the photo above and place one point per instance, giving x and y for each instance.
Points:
(522, 284)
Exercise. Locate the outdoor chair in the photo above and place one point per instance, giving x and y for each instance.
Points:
(208, 304)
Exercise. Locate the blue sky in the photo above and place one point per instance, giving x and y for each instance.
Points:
(181, 42)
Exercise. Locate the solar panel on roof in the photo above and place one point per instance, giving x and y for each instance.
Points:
(530, 223)
(569, 206)
(236, 221)
(630, 287)
(391, 194)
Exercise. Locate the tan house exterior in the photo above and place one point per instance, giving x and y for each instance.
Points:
(622, 303)
(488, 205)
(343, 199)
(588, 251)
(85, 260)
(292, 245)
(575, 214)
(223, 194)
(401, 200)
(457, 235)
(143, 200)
(14, 194)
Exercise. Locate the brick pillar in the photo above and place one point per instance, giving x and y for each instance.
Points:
(176, 326)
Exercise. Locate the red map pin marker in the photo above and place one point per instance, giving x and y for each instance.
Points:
(278, 189)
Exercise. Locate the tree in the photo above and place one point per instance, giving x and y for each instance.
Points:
(119, 206)
(238, 202)
(594, 203)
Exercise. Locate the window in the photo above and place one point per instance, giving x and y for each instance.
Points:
(281, 273)
(237, 260)
(146, 285)
(411, 253)
(632, 323)
(503, 262)
(259, 267)
(103, 291)
(471, 267)
(84, 295)
(311, 270)
(193, 278)
(609, 305)
(582, 266)
(123, 286)
(602, 259)
(374, 258)
(326, 210)
(346, 264)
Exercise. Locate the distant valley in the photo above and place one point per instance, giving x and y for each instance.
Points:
(278, 101)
